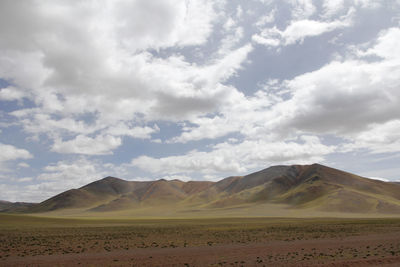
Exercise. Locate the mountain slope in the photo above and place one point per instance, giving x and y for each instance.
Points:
(112, 193)
(327, 189)
(6, 206)
(315, 187)
(297, 187)
(155, 193)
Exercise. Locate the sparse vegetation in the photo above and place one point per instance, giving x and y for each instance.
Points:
(25, 238)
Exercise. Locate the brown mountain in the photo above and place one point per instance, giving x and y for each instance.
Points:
(6, 206)
(315, 188)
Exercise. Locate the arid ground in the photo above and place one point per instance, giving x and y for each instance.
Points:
(40, 241)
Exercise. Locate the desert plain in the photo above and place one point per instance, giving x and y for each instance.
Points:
(259, 241)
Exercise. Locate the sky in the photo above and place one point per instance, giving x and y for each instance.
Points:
(194, 90)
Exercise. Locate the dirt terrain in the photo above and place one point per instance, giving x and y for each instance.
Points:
(33, 241)
(381, 249)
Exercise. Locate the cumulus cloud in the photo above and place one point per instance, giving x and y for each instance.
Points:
(355, 99)
(64, 174)
(377, 138)
(82, 78)
(9, 152)
(11, 93)
(348, 96)
(229, 157)
(370, 4)
(266, 19)
(135, 132)
(342, 98)
(332, 7)
(99, 145)
(244, 115)
(58, 177)
(103, 68)
(157, 24)
(385, 46)
(23, 165)
(298, 30)
(302, 9)
(81, 170)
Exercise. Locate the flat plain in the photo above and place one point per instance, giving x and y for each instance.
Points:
(42, 241)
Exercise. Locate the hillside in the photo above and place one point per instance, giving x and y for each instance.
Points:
(6, 206)
(312, 188)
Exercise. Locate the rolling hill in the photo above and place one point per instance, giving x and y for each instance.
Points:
(298, 188)
(6, 206)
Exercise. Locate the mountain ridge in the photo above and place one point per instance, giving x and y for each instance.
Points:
(8, 206)
(294, 187)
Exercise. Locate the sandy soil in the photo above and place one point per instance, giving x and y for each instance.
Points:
(366, 250)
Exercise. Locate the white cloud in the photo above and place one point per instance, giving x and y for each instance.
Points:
(160, 23)
(9, 152)
(25, 179)
(354, 99)
(59, 177)
(332, 7)
(135, 132)
(11, 93)
(244, 115)
(266, 2)
(104, 67)
(230, 41)
(92, 75)
(13, 193)
(346, 97)
(266, 19)
(36, 123)
(298, 30)
(267, 38)
(386, 46)
(229, 24)
(302, 9)
(62, 176)
(378, 138)
(238, 158)
(370, 4)
(100, 145)
(155, 24)
(239, 11)
(23, 165)
(81, 169)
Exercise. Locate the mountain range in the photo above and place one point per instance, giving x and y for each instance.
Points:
(14, 206)
(277, 190)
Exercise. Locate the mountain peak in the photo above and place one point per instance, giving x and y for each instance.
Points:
(111, 178)
(315, 187)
